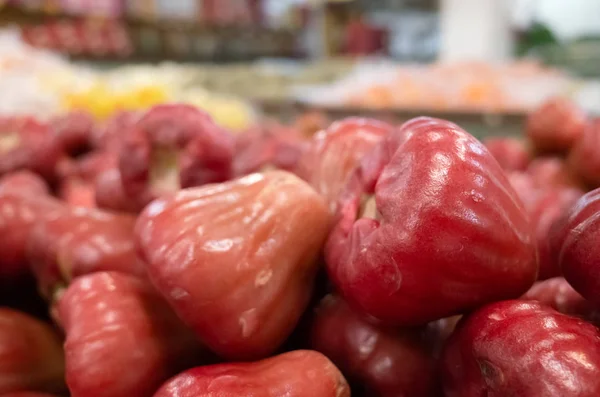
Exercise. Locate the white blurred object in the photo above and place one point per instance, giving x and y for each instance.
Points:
(475, 30)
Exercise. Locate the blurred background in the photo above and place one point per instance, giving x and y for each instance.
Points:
(482, 63)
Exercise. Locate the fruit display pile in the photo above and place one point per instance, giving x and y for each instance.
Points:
(157, 253)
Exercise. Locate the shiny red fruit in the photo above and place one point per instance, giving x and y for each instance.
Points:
(24, 182)
(252, 244)
(173, 147)
(576, 241)
(335, 153)
(521, 348)
(387, 363)
(430, 227)
(79, 242)
(298, 374)
(584, 158)
(556, 125)
(31, 356)
(122, 340)
(559, 295)
(511, 153)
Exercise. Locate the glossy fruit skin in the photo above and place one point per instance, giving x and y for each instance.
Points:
(576, 241)
(18, 215)
(548, 172)
(335, 153)
(201, 152)
(556, 125)
(79, 242)
(122, 340)
(559, 295)
(387, 363)
(511, 153)
(522, 348)
(450, 233)
(24, 182)
(27, 144)
(301, 373)
(550, 207)
(31, 356)
(584, 158)
(257, 277)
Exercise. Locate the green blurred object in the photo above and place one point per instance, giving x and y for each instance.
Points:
(538, 35)
(580, 57)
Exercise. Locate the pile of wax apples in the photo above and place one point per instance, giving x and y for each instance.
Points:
(177, 260)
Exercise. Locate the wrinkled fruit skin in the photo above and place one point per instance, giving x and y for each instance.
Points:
(27, 144)
(73, 131)
(24, 182)
(79, 242)
(511, 153)
(31, 356)
(559, 295)
(550, 207)
(122, 340)
(18, 215)
(576, 241)
(301, 373)
(449, 233)
(387, 363)
(172, 147)
(521, 348)
(548, 172)
(556, 125)
(584, 158)
(252, 244)
(334, 154)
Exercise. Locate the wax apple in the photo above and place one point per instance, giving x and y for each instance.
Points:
(511, 153)
(584, 158)
(252, 244)
(430, 227)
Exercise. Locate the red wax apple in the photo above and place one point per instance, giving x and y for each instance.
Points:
(73, 131)
(31, 356)
(388, 363)
(335, 153)
(525, 187)
(548, 172)
(511, 153)
(298, 373)
(24, 182)
(584, 158)
(252, 244)
(122, 339)
(430, 227)
(173, 147)
(79, 242)
(110, 135)
(522, 348)
(27, 394)
(576, 241)
(556, 125)
(111, 195)
(558, 294)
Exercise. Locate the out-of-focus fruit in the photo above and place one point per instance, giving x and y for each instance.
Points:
(110, 135)
(522, 348)
(300, 373)
(558, 294)
(24, 182)
(584, 158)
(122, 339)
(111, 195)
(173, 147)
(511, 153)
(79, 242)
(27, 144)
(31, 356)
(388, 363)
(252, 244)
(556, 125)
(551, 205)
(27, 394)
(576, 242)
(527, 190)
(430, 227)
(548, 172)
(335, 153)
(73, 131)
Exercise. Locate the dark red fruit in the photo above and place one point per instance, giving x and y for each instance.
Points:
(298, 374)
(73, 131)
(524, 349)
(31, 356)
(430, 227)
(556, 125)
(584, 158)
(109, 136)
(334, 154)
(388, 363)
(122, 338)
(511, 153)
